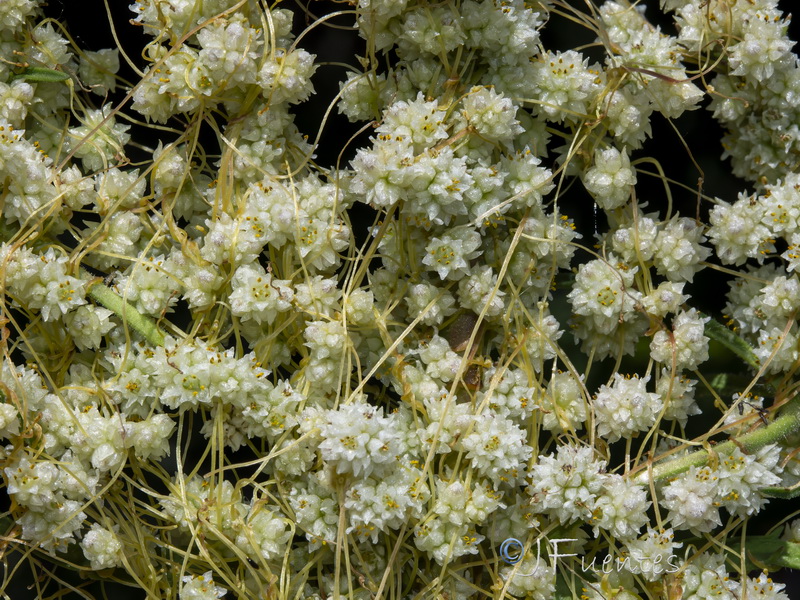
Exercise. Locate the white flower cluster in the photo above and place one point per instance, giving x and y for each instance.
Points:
(442, 362)
(653, 554)
(610, 179)
(498, 449)
(563, 404)
(201, 587)
(531, 578)
(450, 256)
(85, 447)
(225, 58)
(257, 296)
(707, 577)
(358, 439)
(694, 498)
(102, 547)
(377, 505)
(492, 115)
(508, 394)
(107, 140)
(678, 395)
(294, 356)
(625, 407)
(27, 169)
(753, 97)
(604, 307)
(149, 287)
(573, 486)
(565, 84)
(686, 346)
(40, 281)
(654, 53)
(188, 375)
(458, 509)
(265, 532)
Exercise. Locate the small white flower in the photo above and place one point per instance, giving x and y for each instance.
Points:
(621, 509)
(498, 449)
(477, 292)
(442, 362)
(686, 344)
(103, 146)
(565, 85)
(9, 420)
(761, 587)
(678, 252)
(764, 49)
(678, 395)
(97, 70)
(88, 324)
(257, 296)
(666, 298)
(563, 404)
(653, 554)
(420, 296)
(691, 500)
(358, 439)
(101, 547)
(491, 114)
(265, 533)
(777, 349)
(287, 76)
(610, 178)
(737, 232)
(625, 407)
(603, 294)
(531, 577)
(636, 243)
(419, 121)
(567, 485)
(201, 587)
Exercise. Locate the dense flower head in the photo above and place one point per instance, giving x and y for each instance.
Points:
(694, 499)
(563, 403)
(101, 547)
(358, 439)
(566, 84)
(686, 346)
(602, 294)
(678, 251)
(621, 509)
(653, 554)
(449, 255)
(491, 114)
(568, 483)
(505, 31)
(273, 356)
(498, 450)
(201, 587)
(625, 407)
(610, 179)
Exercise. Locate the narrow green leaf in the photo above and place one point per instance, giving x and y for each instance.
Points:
(112, 301)
(786, 493)
(562, 591)
(719, 333)
(6, 524)
(785, 425)
(790, 557)
(41, 74)
(769, 552)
